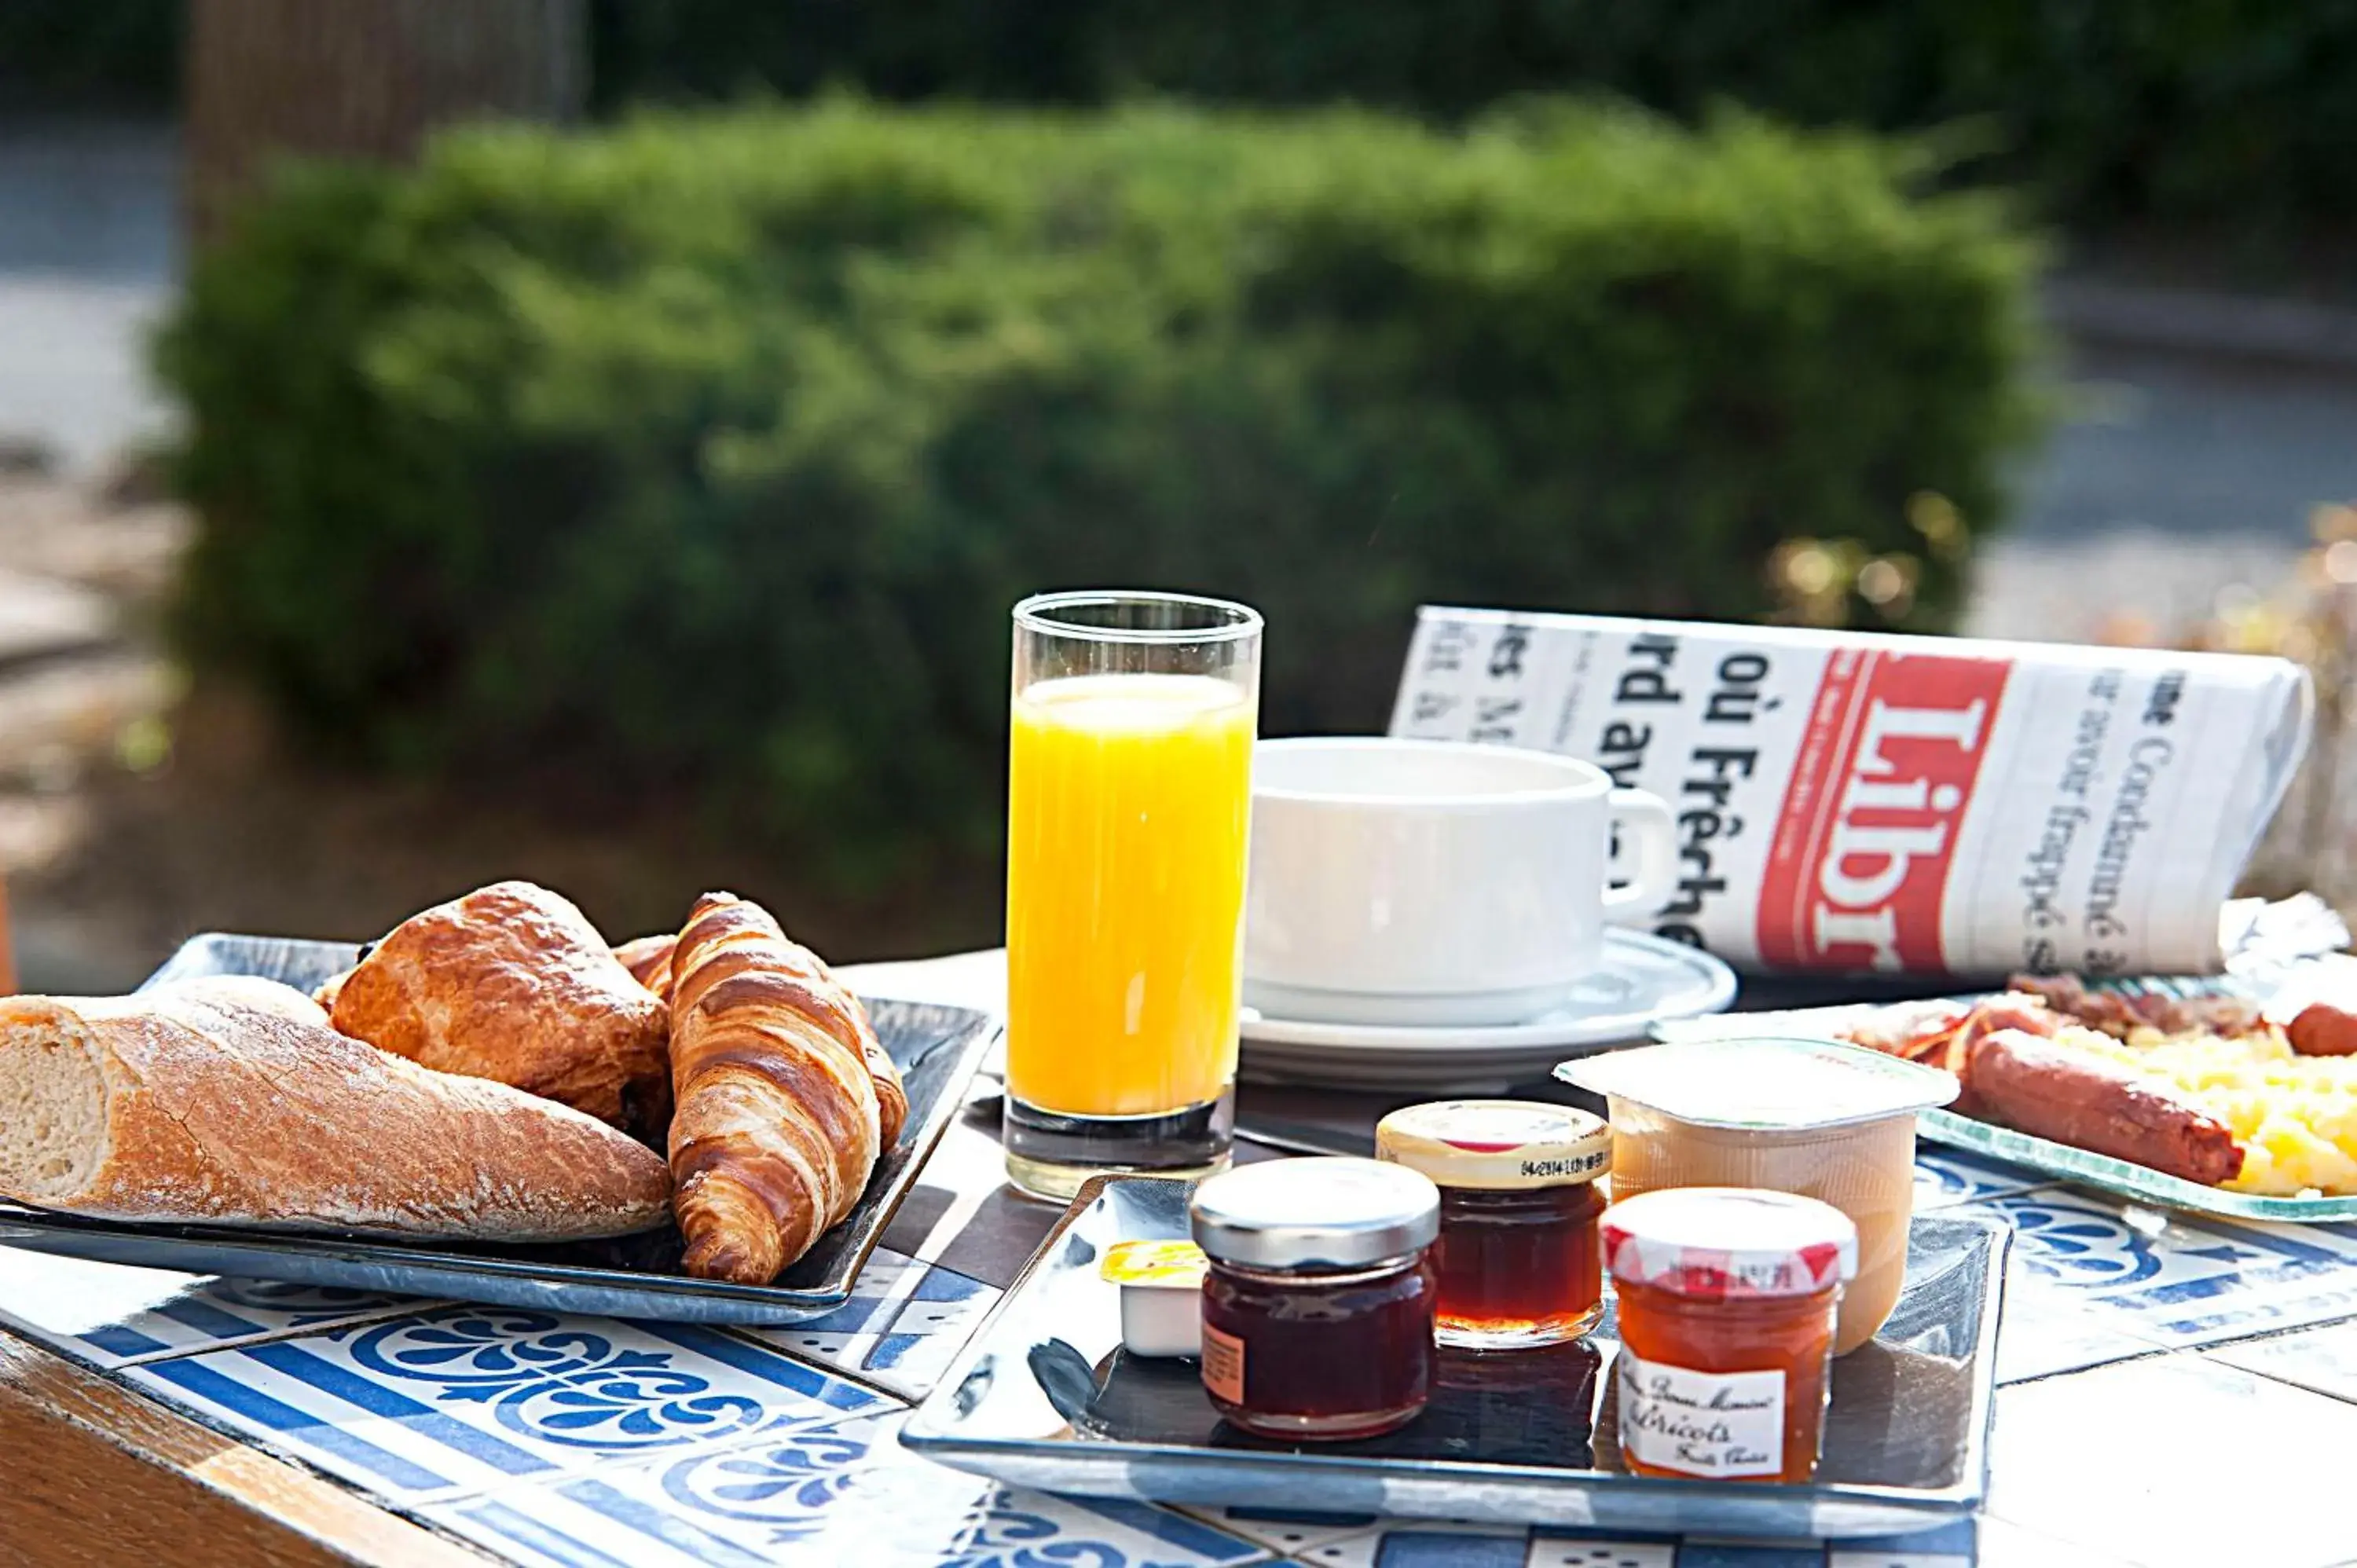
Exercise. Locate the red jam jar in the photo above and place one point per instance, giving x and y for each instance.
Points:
(1317, 1295)
(1729, 1300)
(1519, 1260)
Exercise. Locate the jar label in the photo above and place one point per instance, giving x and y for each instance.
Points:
(1700, 1424)
(1223, 1364)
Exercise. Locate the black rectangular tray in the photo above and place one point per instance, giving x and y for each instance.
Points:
(936, 1049)
(1044, 1396)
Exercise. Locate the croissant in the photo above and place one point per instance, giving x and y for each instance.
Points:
(511, 982)
(649, 960)
(783, 1099)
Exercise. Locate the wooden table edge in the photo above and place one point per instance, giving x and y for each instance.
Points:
(92, 1473)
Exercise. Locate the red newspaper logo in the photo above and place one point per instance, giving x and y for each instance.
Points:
(1868, 825)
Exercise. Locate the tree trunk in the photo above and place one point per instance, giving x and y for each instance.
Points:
(362, 78)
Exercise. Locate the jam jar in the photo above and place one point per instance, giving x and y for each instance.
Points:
(1816, 1117)
(1318, 1298)
(1729, 1299)
(1519, 1261)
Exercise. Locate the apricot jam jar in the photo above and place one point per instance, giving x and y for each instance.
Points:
(1729, 1298)
(1317, 1297)
(1519, 1260)
(1818, 1118)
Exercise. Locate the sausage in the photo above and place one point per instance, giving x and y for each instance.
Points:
(2003, 1013)
(2042, 1088)
(2324, 1030)
(2012, 1011)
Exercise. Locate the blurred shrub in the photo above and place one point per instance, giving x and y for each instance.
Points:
(713, 451)
(2149, 108)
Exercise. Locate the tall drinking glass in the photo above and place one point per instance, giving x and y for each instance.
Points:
(1129, 796)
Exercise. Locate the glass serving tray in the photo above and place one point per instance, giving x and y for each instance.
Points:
(935, 1048)
(1044, 1396)
(2060, 1161)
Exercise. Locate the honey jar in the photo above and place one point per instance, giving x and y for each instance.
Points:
(1317, 1295)
(1518, 1256)
(1729, 1298)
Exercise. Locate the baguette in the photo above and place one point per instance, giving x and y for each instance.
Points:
(224, 1103)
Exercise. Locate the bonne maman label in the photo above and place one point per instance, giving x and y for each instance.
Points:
(1702, 1424)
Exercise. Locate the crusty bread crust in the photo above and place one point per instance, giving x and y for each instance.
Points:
(255, 991)
(512, 983)
(226, 1108)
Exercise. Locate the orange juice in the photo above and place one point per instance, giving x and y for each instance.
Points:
(1129, 797)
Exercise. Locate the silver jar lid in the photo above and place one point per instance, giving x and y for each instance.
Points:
(1335, 1211)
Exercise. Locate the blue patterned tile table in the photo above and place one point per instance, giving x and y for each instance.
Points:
(2174, 1392)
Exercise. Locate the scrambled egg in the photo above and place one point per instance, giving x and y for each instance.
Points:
(2295, 1115)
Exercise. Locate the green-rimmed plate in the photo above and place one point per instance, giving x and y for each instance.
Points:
(2044, 1155)
(2118, 1177)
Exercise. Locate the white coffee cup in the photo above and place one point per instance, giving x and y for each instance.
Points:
(1434, 882)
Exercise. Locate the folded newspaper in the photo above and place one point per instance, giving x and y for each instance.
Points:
(1854, 801)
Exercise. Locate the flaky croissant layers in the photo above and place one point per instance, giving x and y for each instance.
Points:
(782, 1098)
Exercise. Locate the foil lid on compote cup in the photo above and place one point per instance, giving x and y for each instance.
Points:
(1764, 1082)
(1496, 1145)
(1729, 1243)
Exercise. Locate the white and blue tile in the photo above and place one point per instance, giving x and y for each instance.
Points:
(2172, 1462)
(1954, 1545)
(1560, 1550)
(2002, 1544)
(2323, 1360)
(2045, 1340)
(1424, 1543)
(1291, 1532)
(108, 1314)
(904, 1323)
(1945, 1178)
(931, 1326)
(818, 1497)
(1429, 1543)
(1749, 1554)
(467, 1398)
(2174, 1281)
(841, 1339)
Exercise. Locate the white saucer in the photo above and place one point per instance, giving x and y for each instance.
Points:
(1646, 980)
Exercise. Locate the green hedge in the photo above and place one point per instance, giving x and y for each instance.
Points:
(713, 451)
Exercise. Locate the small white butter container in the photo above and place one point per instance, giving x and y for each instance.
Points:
(1161, 1295)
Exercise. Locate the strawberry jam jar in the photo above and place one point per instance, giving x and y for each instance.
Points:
(1729, 1300)
(1519, 1260)
(1317, 1295)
